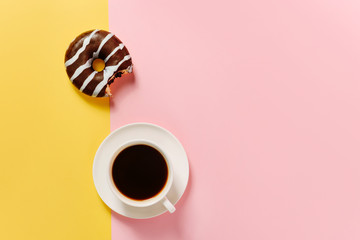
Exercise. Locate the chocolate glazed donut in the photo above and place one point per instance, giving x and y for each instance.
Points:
(91, 45)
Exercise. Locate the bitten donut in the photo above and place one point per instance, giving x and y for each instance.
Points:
(92, 45)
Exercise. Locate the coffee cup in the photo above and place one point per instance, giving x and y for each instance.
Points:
(140, 174)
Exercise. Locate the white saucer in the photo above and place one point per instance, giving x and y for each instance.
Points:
(146, 131)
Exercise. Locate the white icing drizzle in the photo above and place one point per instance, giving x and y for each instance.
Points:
(108, 72)
(96, 54)
(129, 69)
(87, 80)
(121, 46)
(80, 50)
(80, 69)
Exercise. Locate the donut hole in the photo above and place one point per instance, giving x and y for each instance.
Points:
(98, 64)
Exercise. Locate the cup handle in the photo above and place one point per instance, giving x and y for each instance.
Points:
(168, 205)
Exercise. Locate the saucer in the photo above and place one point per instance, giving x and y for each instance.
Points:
(145, 131)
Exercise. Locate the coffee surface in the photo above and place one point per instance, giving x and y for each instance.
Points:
(140, 172)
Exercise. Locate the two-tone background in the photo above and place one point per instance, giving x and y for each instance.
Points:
(264, 95)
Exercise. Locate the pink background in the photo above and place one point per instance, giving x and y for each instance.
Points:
(265, 97)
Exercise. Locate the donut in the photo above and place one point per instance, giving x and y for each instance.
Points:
(88, 47)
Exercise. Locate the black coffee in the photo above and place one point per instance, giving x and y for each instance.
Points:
(140, 172)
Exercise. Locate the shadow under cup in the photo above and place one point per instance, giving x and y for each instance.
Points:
(140, 174)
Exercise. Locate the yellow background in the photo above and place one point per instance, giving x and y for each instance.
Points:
(49, 131)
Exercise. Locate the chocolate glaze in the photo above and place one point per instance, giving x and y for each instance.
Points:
(82, 51)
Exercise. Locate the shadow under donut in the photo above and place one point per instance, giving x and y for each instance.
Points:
(97, 101)
(120, 87)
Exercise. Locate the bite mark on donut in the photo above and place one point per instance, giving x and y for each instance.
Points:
(107, 91)
(112, 79)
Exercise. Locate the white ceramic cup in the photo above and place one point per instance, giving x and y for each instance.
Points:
(161, 196)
